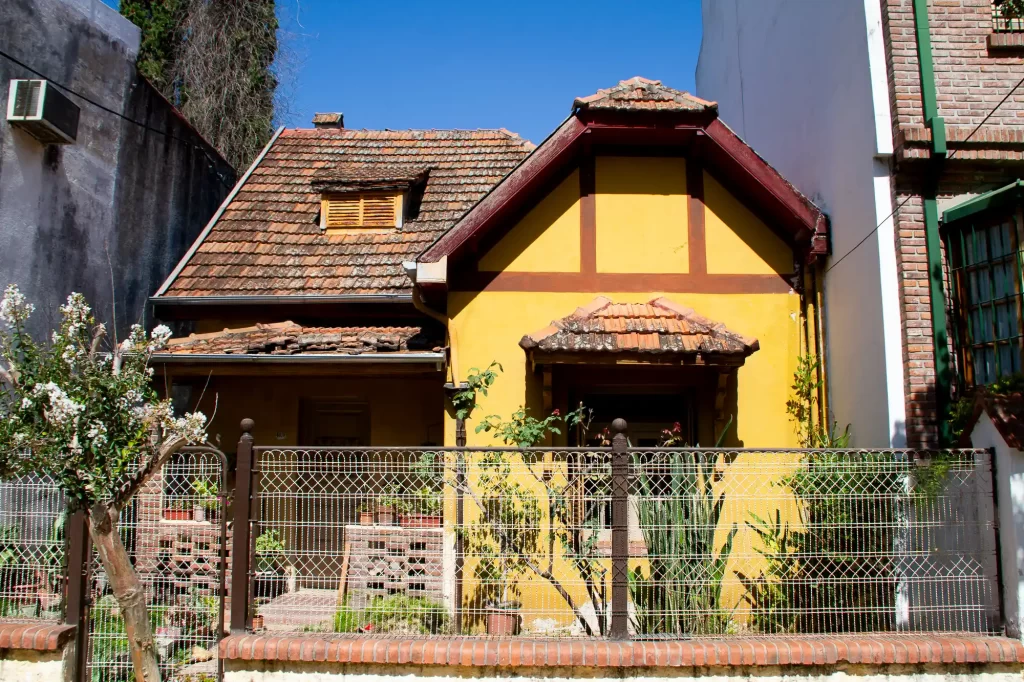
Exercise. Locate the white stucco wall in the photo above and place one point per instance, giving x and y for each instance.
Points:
(804, 83)
(33, 666)
(238, 671)
(1010, 490)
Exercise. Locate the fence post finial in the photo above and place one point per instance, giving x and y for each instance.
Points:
(620, 531)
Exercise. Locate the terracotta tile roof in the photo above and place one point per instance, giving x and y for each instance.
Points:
(658, 327)
(368, 176)
(639, 93)
(289, 338)
(268, 242)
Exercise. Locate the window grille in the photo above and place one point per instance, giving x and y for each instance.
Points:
(986, 265)
(1003, 24)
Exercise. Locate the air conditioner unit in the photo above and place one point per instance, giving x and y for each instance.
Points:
(42, 111)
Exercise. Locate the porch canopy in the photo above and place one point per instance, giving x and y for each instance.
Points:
(658, 332)
(292, 345)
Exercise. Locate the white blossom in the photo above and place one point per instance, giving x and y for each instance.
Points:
(26, 404)
(97, 434)
(192, 427)
(62, 409)
(158, 337)
(13, 308)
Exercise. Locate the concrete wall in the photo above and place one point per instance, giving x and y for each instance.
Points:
(24, 665)
(133, 195)
(804, 83)
(1009, 481)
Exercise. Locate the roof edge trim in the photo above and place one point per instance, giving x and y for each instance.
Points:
(216, 216)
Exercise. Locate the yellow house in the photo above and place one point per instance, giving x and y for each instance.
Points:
(642, 261)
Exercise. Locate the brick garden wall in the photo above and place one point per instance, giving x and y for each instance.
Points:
(971, 78)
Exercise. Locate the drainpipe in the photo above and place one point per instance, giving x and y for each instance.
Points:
(931, 217)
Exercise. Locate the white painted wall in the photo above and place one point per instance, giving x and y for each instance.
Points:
(1010, 491)
(19, 665)
(804, 83)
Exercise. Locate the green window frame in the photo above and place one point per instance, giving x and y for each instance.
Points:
(986, 267)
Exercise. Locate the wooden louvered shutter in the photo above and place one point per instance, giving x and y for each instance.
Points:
(378, 211)
(360, 210)
(342, 211)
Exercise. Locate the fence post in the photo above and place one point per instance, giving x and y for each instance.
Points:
(620, 532)
(240, 540)
(76, 594)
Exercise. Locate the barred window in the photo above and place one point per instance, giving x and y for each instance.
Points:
(1006, 16)
(985, 256)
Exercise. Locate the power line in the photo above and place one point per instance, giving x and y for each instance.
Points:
(903, 203)
(209, 159)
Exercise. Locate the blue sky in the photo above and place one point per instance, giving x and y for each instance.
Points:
(461, 64)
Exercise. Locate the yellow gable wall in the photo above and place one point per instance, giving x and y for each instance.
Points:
(640, 232)
(641, 214)
(738, 242)
(551, 227)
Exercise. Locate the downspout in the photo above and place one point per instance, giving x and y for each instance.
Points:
(933, 242)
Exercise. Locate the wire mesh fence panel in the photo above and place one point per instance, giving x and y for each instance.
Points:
(812, 542)
(32, 549)
(172, 531)
(505, 542)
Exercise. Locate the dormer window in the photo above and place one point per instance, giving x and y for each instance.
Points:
(341, 213)
(357, 198)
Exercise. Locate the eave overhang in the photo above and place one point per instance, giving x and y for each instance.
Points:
(699, 135)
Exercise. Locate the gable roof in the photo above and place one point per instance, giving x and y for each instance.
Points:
(266, 241)
(659, 327)
(642, 94)
(641, 113)
(1006, 412)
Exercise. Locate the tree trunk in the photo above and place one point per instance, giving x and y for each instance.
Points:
(128, 590)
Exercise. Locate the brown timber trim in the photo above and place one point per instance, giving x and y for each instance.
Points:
(588, 215)
(697, 249)
(603, 282)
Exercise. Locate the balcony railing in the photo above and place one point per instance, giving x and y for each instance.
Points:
(613, 542)
(1002, 23)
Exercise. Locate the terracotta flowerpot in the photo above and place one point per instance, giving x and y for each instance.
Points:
(386, 516)
(366, 518)
(257, 622)
(503, 620)
(178, 514)
(421, 520)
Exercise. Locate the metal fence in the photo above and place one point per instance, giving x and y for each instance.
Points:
(173, 531)
(32, 550)
(644, 543)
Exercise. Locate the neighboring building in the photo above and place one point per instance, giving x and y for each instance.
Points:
(866, 105)
(676, 267)
(115, 209)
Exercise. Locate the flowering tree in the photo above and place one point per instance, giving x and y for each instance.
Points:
(82, 410)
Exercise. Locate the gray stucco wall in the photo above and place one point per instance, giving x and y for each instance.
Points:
(134, 196)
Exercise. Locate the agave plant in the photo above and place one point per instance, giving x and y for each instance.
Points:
(679, 514)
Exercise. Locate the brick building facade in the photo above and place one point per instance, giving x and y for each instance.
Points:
(976, 63)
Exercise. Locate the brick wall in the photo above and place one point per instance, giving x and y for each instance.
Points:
(972, 75)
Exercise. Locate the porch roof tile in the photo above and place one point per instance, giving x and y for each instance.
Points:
(657, 327)
(289, 338)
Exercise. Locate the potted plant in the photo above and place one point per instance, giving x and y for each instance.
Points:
(365, 514)
(178, 510)
(503, 618)
(206, 506)
(388, 505)
(428, 510)
(269, 580)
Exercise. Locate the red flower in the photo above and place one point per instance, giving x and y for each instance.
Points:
(677, 428)
(555, 413)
